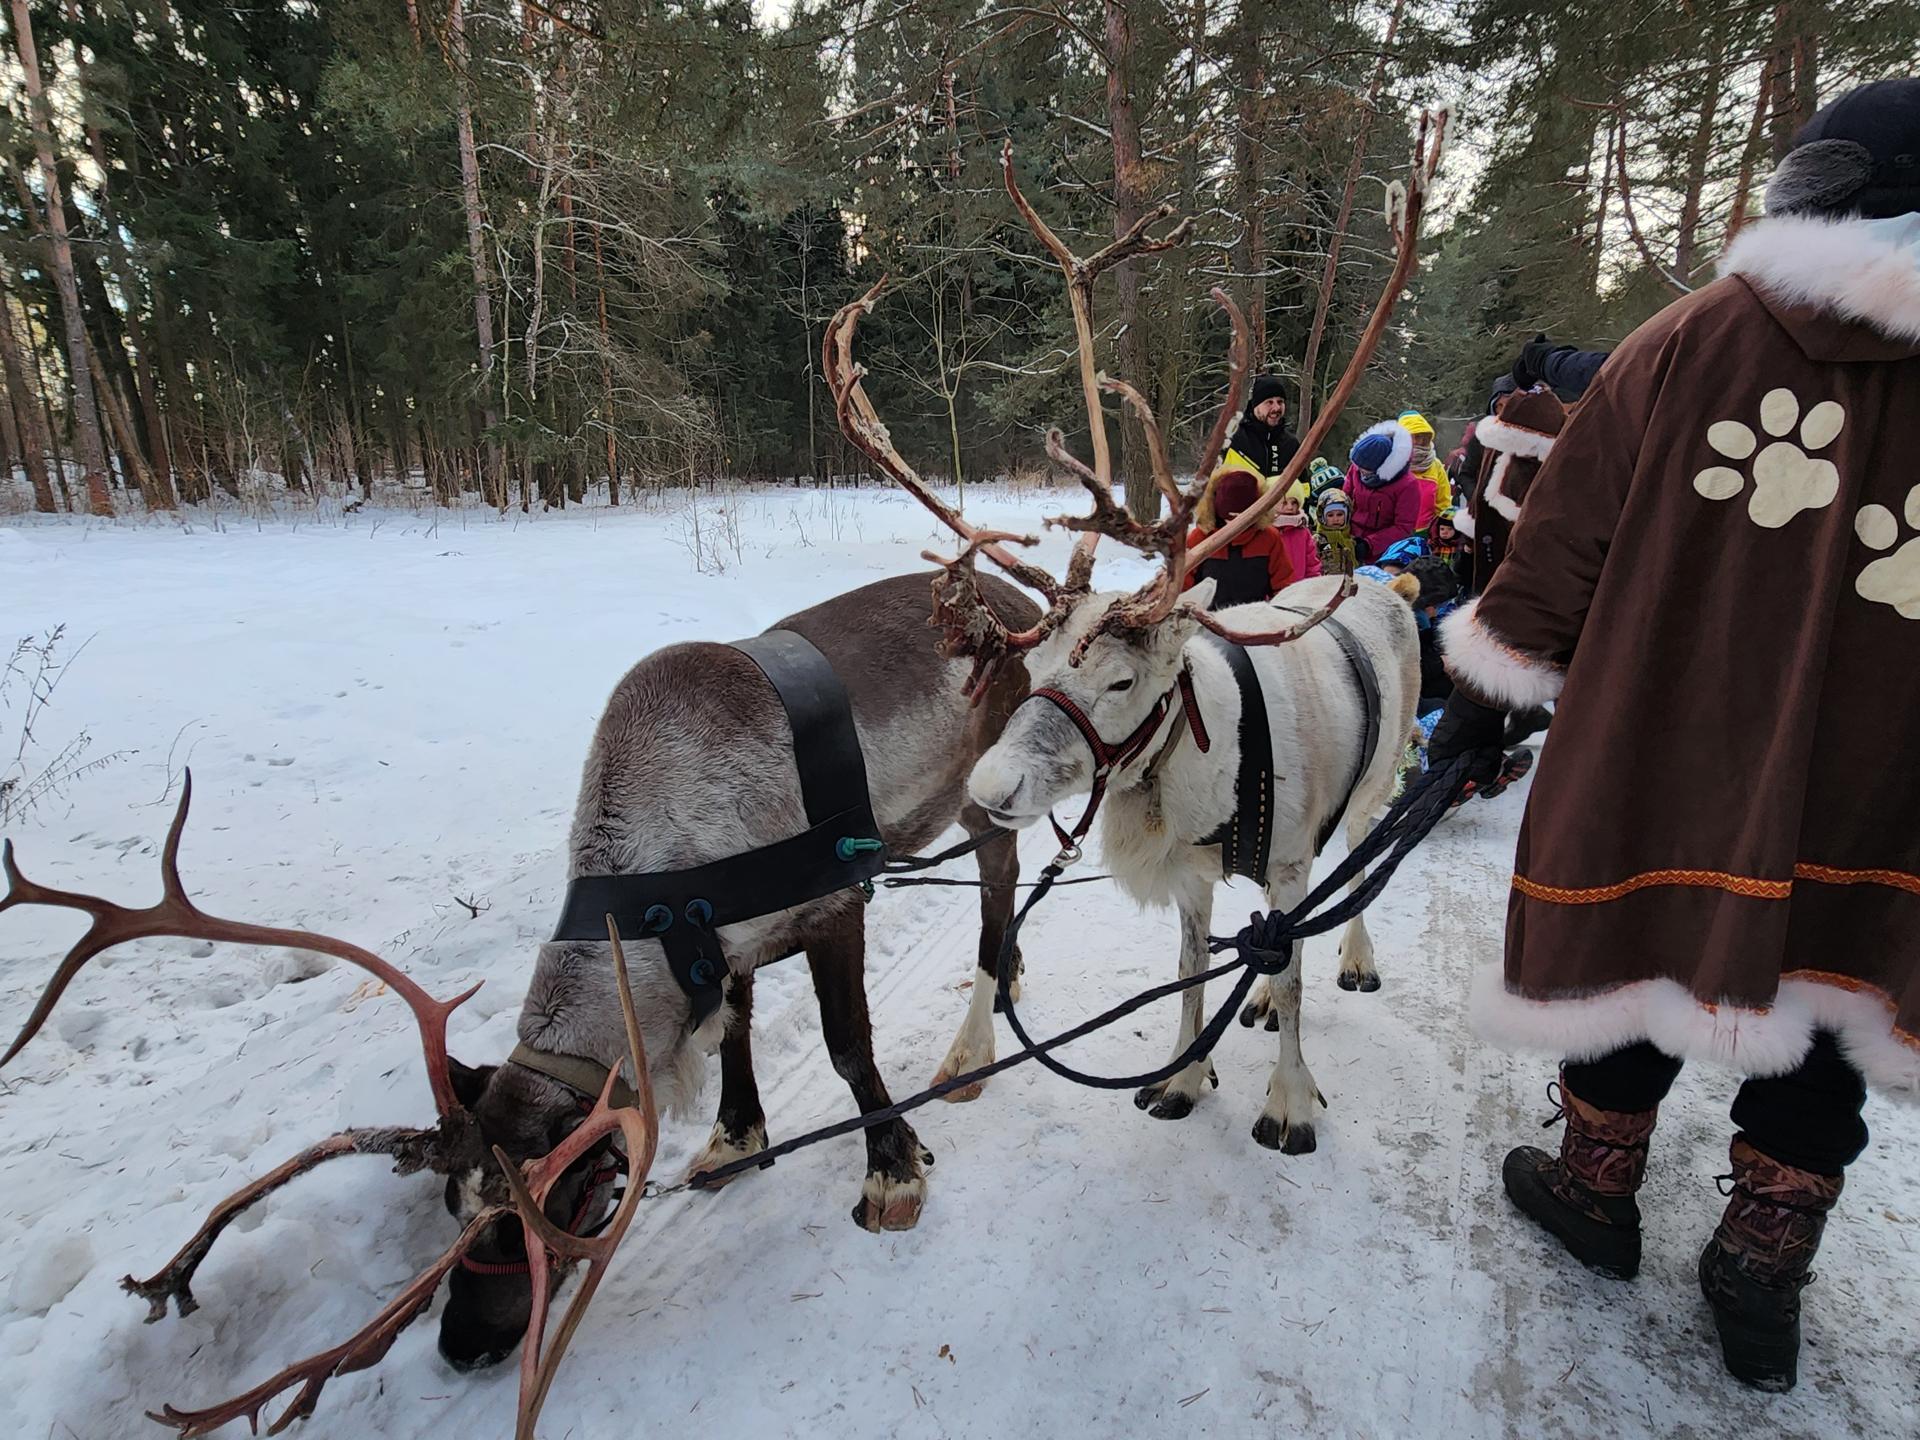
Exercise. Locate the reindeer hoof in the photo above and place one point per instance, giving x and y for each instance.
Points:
(1349, 982)
(1369, 983)
(1164, 1104)
(888, 1204)
(722, 1149)
(1287, 1139)
(963, 1094)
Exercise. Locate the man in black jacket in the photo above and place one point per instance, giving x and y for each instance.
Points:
(1262, 438)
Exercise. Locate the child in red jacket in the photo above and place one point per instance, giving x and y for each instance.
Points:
(1386, 500)
(1256, 565)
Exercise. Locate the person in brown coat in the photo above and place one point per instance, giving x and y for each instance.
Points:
(1717, 580)
(1515, 441)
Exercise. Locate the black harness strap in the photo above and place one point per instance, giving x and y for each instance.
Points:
(1368, 682)
(1246, 838)
(841, 846)
(826, 748)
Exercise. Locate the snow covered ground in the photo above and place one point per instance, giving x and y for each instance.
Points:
(385, 713)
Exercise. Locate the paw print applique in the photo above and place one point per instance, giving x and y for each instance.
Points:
(1892, 579)
(1787, 478)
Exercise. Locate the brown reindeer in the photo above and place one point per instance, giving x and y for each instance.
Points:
(692, 762)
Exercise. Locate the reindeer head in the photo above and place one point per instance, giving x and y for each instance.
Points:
(522, 1163)
(1109, 663)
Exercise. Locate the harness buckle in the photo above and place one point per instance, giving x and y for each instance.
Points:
(1070, 855)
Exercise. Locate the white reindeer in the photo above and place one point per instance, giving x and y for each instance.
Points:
(1160, 806)
(1132, 705)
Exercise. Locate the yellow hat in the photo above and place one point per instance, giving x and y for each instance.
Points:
(1234, 460)
(1413, 422)
(1299, 491)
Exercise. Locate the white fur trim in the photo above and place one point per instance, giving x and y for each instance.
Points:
(1463, 522)
(1841, 266)
(1497, 497)
(1495, 434)
(1757, 1042)
(1401, 455)
(1492, 668)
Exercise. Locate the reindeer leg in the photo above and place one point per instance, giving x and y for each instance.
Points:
(999, 862)
(741, 1127)
(896, 1185)
(1174, 1099)
(1356, 944)
(1286, 1124)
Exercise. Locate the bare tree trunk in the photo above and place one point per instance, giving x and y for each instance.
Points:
(1600, 212)
(606, 371)
(1309, 378)
(1250, 80)
(86, 415)
(123, 437)
(1784, 121)
(121, 263)
(493, 484)
(1750, 153)
(1687, 244)
(24, 399)
(1130, 203)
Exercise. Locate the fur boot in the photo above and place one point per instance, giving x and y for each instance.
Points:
(1756, 1265)
(1584, 1196)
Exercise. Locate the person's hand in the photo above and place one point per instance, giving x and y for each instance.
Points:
(1469, 728)
(1527, 369)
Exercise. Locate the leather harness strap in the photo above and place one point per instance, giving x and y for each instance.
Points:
(1246, 837)
(840, 848)
(576, 1072)
(1109, 758)
(1368, 683)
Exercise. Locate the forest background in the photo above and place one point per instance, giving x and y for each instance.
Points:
(535, 252)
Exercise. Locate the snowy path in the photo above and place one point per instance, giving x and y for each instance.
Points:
(382, 715)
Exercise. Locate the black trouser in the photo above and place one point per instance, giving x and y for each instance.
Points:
(1808, 1118)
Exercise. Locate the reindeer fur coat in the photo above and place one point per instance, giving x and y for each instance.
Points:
(1717, 577)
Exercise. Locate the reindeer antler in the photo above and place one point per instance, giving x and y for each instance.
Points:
(1156, 600)
(971, 628)
(449, 1145)
(638, 1127)
(175, 915)
(1405, 209)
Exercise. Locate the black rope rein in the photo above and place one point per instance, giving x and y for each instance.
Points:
(1263, 947)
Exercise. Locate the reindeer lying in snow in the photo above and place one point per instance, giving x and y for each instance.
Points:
(1134, 705)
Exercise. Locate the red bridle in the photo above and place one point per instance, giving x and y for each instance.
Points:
(601, 1175)
(1109, 758)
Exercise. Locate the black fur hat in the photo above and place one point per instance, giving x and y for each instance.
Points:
(1858, 156)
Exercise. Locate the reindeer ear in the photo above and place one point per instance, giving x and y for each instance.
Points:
(469, 1082)
(1200, 597)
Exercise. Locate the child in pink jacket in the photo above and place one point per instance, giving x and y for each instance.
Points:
(1386, 499)
(1296, 536)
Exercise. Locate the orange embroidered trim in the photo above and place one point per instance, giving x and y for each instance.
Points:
(1711, 879)
(1831, 875)
(1854, 984)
